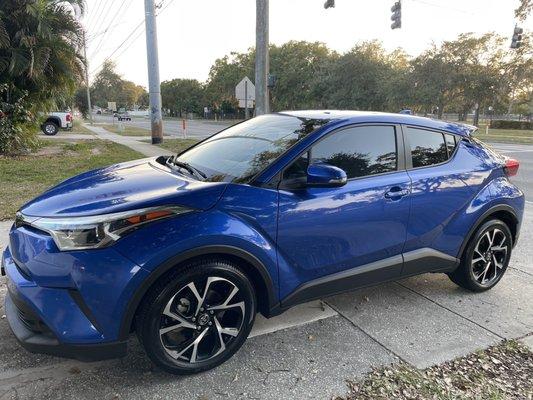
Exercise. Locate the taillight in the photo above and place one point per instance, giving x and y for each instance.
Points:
(69, 117)
(511, 167)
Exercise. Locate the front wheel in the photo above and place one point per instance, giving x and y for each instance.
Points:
(197, 317)
(486, 257)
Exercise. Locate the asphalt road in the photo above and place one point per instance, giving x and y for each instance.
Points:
(524, 154)
(173, 127)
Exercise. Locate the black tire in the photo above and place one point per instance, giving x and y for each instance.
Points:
(482, 275)
(50, 128)
(172, 295)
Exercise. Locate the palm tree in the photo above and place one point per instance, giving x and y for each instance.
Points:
(40, 58)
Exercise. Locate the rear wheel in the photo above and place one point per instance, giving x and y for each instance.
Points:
(486, 257)
(50, 128)
(198, 317)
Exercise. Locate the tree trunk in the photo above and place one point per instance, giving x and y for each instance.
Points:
(476, 117)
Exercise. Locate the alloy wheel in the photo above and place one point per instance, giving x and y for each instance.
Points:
(202, 319)
(490, 256)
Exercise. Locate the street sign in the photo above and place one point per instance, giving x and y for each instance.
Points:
(112, 105)
(245, 90)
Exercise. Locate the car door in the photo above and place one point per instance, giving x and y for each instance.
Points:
(439, 193)
(331, 239)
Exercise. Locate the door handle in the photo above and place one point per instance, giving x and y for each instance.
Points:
(396, 193)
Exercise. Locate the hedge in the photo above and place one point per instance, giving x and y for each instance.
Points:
(503, 124)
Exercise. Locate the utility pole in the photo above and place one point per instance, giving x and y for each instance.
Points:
(262, 105)
(87, 78)
(154, 87)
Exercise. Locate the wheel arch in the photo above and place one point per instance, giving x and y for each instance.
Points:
(502, 212)
(55, 120)
(254, 269)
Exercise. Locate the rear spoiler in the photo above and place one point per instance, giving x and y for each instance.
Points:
(465, 129)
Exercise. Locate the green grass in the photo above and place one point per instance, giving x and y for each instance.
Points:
(79, 128)
(505, 135)
(24, 177)
(128, 130)
(176, 145)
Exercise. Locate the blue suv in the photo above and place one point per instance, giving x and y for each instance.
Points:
(269, 213)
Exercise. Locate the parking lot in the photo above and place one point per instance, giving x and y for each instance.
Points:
(311, 350)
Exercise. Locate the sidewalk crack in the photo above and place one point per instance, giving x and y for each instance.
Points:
(521, 270)
(450, 310)
(368, 334)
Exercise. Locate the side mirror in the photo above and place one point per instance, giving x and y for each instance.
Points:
(324, 175)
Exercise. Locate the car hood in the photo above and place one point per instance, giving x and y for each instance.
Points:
(123, 187)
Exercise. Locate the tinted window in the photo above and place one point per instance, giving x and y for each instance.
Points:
(238, 153)
(427, 147)
(450, 143)
(360, 151)
(298, 169)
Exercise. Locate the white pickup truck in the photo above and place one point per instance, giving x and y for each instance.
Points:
(55, 121)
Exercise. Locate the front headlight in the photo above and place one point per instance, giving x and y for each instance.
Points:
(80, 233)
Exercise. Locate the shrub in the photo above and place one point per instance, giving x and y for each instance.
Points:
(17, 127)
(503, 124)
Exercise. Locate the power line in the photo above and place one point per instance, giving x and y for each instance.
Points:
(92, 18)
(101, 20)
(131, 43)
(98, 34)
(119, 46)
(110, 27)
(130, 36)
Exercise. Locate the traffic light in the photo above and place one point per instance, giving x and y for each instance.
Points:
(329, 4)
(396, 17)
(516, 41)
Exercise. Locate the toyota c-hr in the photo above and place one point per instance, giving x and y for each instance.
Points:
(269, 213)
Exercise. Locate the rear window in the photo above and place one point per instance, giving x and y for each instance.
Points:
(428, 147)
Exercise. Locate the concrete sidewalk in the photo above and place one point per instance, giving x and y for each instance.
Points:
(146, 149)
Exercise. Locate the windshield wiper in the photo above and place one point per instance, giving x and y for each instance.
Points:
(172, 161)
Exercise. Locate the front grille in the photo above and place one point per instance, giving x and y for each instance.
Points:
(34, 325)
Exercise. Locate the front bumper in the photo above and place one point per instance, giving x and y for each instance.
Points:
(34, 336)
(33, 333)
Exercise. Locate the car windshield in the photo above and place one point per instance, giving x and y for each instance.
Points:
(241, 151)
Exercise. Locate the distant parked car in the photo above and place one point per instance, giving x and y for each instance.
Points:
(123, 116)
(55, 121)
(406, 111)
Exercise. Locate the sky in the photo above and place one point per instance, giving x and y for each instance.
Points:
(192, 34)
